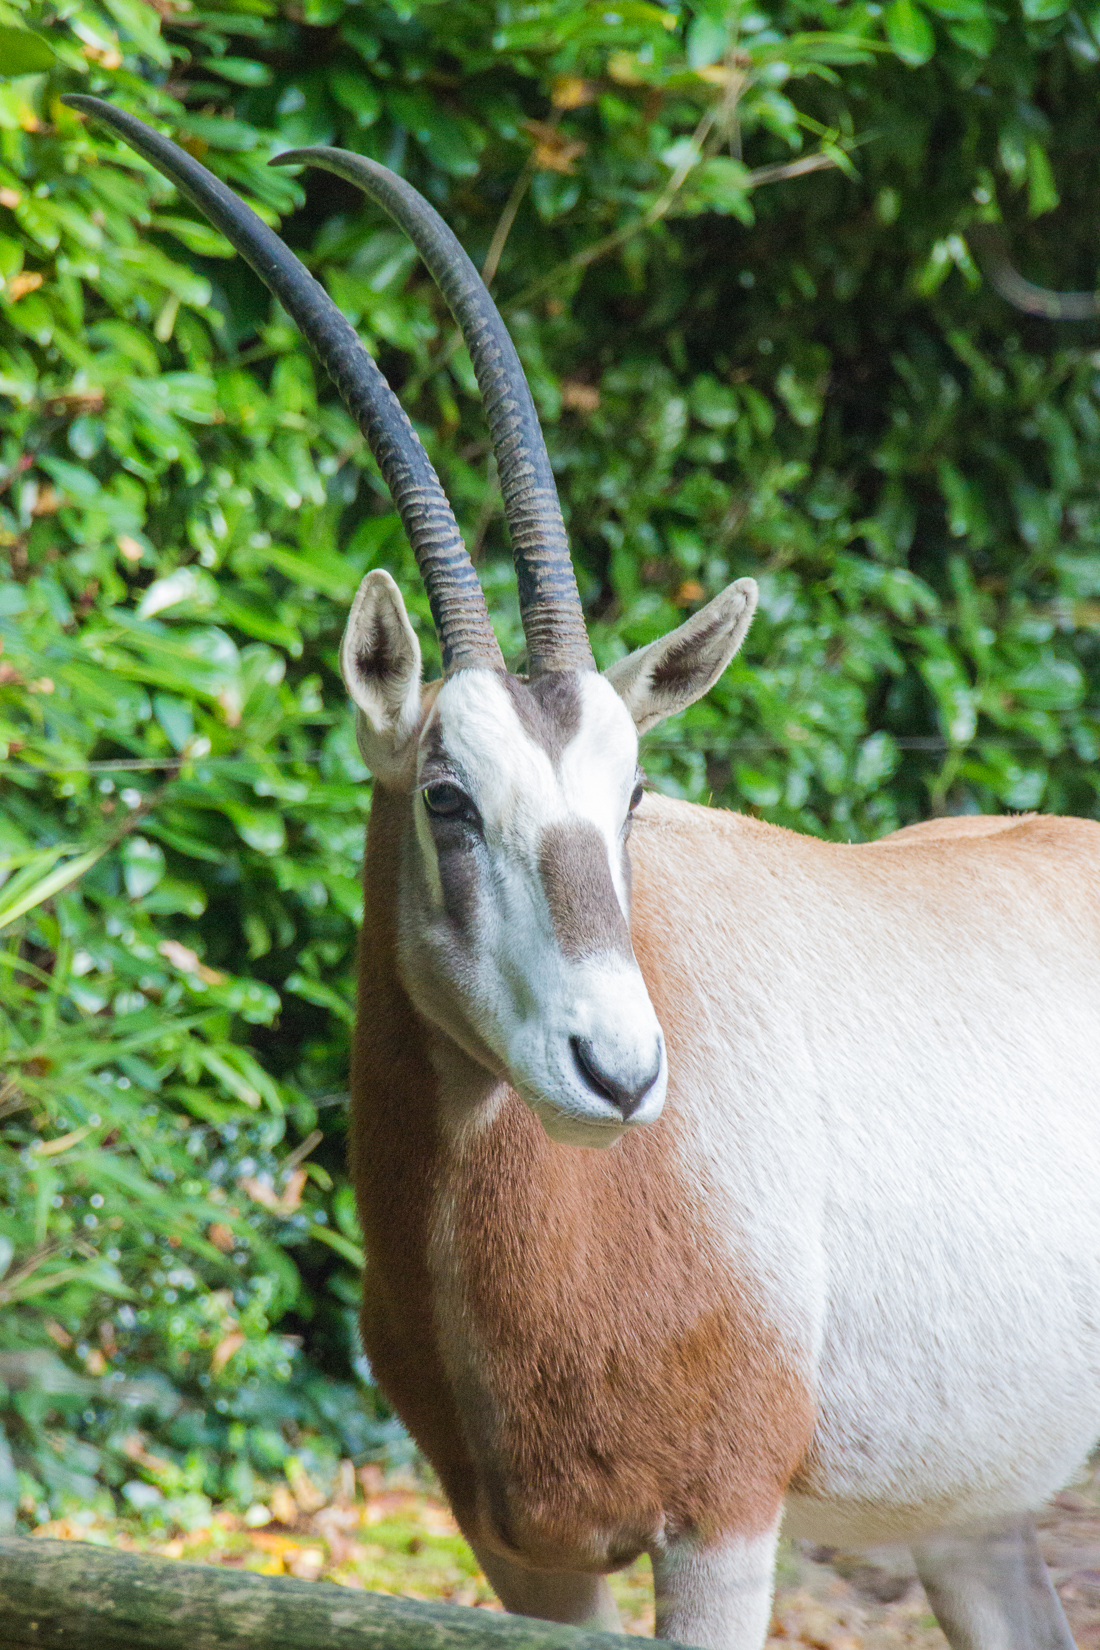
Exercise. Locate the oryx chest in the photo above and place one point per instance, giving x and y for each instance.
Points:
(616, 1382)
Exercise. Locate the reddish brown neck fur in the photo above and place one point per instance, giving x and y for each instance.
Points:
(576, 1359)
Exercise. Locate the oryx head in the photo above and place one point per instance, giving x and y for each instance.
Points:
(514, 886)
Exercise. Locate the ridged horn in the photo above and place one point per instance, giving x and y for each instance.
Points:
(458, 605)
(553, 621)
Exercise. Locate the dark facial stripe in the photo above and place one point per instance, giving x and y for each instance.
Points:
(548, 709)
(431, 742)
(584, 907)
(459, 876)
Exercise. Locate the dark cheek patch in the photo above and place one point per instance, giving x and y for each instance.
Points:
(584, 908)
(456, 853)
(458, 880)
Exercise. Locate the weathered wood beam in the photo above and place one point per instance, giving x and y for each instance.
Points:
(70, 1595)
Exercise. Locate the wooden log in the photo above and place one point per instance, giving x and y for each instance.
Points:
(71, 1595)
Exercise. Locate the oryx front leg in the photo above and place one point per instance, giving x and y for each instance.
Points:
(990, 1590)
(716, 1594)
(551, 1595)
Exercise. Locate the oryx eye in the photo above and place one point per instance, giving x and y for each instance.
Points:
(447, 801)
(636, 795)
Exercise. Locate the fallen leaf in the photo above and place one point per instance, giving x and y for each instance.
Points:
(578, 397)
(224, 1350)
(284, 1508)
(569, 91)
(554, 152)
(188, 961)
(303, 1489)
(279, 1203)
(19, 285)
(306, 1564)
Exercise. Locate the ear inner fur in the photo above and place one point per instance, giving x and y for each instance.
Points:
(671, 673)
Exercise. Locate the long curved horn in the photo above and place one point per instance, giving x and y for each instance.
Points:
(549, 604)
(458, 607)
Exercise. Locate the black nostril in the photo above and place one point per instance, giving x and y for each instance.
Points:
(626, 1098)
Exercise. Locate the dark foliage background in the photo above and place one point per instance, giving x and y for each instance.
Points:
(736, 265)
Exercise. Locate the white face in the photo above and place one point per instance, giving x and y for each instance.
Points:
(514, 924)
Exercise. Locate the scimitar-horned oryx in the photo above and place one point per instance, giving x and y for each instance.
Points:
(841, 1254)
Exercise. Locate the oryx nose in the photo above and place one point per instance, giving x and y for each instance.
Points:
(625, 1094)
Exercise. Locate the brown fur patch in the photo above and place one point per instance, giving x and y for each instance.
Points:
(375, 658)
(395, 1161)
(432, 749)
(956, 826)
(548, 709)
(576, 878)
(620, 1384)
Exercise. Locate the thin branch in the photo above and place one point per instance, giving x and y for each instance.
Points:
(508, 218)
(36, 1258)
(598, 249)
(819, 161)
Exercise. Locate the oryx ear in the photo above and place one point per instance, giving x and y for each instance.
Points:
(380, 664)
(671, 673)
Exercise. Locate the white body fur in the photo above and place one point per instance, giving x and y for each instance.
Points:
(895, 1101)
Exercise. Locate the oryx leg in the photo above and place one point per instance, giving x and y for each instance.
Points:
(990, 1590)
(551, 1595)
(717, 1595)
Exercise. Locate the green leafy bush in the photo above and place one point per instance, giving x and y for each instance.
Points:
(732, 244)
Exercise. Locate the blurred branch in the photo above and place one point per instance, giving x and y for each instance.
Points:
(508, 216)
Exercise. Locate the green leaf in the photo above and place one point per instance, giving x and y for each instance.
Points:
(22, 52)
(37, 882)
(343, 1246)
(909, 31)
(707, 41)
(242, 71)
(196, 237)
(1042, 192)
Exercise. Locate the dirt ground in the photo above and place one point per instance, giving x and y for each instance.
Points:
(815, 1606)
